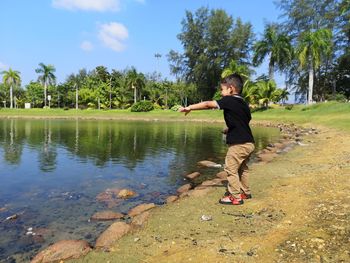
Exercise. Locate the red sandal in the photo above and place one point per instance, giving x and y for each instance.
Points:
(230, 200)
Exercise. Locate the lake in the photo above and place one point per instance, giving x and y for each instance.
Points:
(52, 170)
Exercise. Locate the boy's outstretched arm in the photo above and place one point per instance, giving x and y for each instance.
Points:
(200, 106)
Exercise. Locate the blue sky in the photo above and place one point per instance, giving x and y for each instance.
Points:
(75, 34)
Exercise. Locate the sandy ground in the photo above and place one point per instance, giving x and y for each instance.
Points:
(300, 212)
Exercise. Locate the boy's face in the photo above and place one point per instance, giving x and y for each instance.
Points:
(226, 90)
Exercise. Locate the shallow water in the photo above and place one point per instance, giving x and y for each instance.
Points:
(52, 170)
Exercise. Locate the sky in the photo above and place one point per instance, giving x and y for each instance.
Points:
(76, 34)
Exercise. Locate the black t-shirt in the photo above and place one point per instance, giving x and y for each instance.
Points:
(237, 117)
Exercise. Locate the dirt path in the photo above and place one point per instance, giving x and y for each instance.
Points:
(300, 212)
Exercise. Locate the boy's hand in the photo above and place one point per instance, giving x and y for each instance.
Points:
(225, 131)
(186, 110)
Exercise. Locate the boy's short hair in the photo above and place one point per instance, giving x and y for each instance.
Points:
(234, 80)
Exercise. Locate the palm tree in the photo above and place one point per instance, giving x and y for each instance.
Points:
(284, 95)
(47, 77)
(311, 50)
(233, 67)
(135, 80)
(276, 46)
(11, 78)
(267, 92)
(249, 92)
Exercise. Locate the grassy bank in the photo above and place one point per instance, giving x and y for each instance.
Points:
(331, 114)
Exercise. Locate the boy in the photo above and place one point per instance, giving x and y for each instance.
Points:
(239, 137)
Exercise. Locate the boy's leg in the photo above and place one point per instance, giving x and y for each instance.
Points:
(236, 155)
(244, 171)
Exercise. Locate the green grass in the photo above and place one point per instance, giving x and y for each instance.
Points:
(331, 114)
(110, 114)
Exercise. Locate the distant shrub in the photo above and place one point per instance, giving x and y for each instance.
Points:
(142, 106)
(338, 97)
(157, 106)
(289, 107)
(66, 108)
(176, 107)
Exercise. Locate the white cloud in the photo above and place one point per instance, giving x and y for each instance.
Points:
(112, 35)
(86, 46)
(3, 66)
(88, 5)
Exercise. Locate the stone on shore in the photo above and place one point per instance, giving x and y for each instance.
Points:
(222, 175)
(171, 199)
(112, 234)
(266, 157)
(106, 215)
(192, 175)
(140, 220)
(63, 250)
(140, 209)
(184, 188)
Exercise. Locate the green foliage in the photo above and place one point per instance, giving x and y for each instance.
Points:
(338, 97)
(176, 107)
(277, 46)
(289, 107)
(211, 39)
(142, 106)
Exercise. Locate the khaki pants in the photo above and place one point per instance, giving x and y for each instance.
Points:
(236, 167)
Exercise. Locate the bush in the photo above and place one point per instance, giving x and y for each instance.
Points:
(176, 107)
(338, 97)
(142, 106)
(289, 107)
(157, 106)
(66, 108)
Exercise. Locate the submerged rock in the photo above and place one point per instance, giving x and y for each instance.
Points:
(126, 193)
(63, 250)
(112, 234)
(106, 215)
(140, 208)
(192, 175)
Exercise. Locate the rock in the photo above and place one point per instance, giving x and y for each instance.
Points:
(106, 215)
(63, 250)
(13, 217)
(192, 175)
(112, 234)
(213, 182)
(184, 188)
(109, 197)
(2, 209)
(222, 175)
(208, 164)
(140, 208)
(139, 220)
(267, 157)
(199, 192)
(126, 193)
(171, 199)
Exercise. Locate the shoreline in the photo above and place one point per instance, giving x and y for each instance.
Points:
(282, 222)
(291, 137)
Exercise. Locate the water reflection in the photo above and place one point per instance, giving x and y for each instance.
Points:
(123, 142)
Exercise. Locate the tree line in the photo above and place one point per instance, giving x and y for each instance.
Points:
(310, 48)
